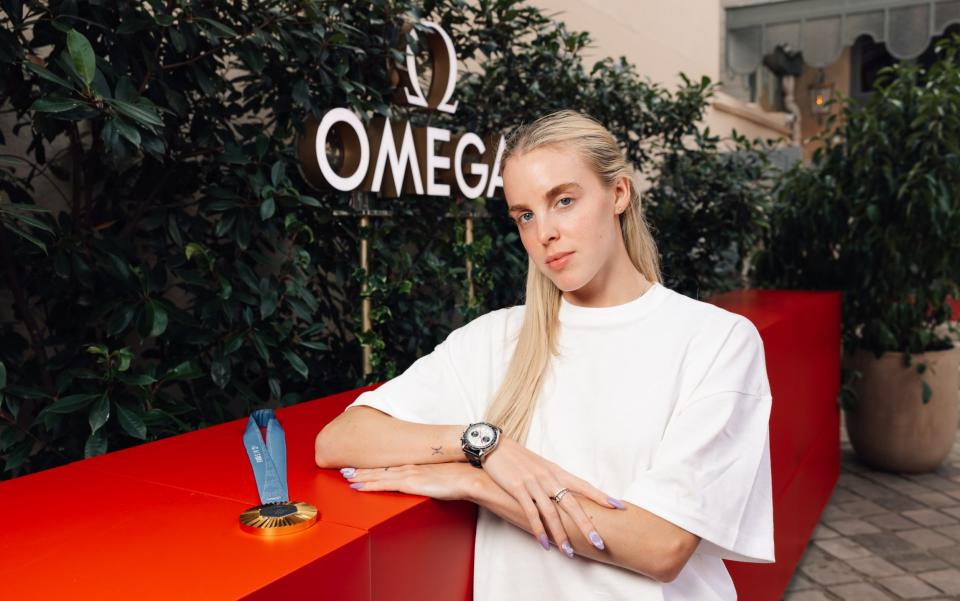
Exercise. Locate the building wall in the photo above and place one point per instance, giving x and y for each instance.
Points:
(664, 38)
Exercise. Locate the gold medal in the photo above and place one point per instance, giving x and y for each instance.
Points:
(285, 517)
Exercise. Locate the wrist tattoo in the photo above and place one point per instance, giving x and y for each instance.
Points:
(437, 450)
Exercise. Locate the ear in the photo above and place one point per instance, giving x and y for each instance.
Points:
(621, 195)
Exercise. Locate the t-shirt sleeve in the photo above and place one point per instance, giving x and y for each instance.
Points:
(437, 388)
(711, 471)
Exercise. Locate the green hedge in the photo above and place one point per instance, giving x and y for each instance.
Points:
(191, 274)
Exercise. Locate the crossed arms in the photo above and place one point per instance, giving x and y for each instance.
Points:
(514, 484)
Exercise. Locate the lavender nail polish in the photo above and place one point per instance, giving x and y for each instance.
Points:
(348, 472)
(357, 485)
(567, 549)
(616, 503)
(545, 541)
(596, 540)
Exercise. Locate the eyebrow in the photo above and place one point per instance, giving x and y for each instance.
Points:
(551, 192)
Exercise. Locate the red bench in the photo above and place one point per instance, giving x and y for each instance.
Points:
(159, 521)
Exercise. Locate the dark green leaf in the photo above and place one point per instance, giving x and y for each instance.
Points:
(184, 371)
(120, 320)
(46, 74)
(220, 371)
(133, 24)
(267, 208)
(315, 345)
(131, 423)
(261, 346)
(27, 236)
(70, 404)
(268, 298)
(55, 104)
(122, 359)
(99, 413)
(156, 318)
(33, 221)
(926, 392)
(135, 112)
(296, 362)
(131, 133)
(137, 380)
(233, 344)
(277, 173)
(220, 28)
(96, 445)
(82, 56)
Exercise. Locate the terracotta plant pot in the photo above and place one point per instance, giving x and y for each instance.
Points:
(890, 427)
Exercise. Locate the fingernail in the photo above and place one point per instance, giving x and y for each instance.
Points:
(596, 540)
(616, 503)
(545, 541)
(348, 472)
(360, 485)
(567, 549)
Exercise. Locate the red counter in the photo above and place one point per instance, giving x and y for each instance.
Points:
(159, 521)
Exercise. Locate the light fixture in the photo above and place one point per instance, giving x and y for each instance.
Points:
(821, 93)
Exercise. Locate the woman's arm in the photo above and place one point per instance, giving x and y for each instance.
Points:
(634, 539)
(363, 436)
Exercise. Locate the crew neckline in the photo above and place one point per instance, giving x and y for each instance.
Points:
(632, 310)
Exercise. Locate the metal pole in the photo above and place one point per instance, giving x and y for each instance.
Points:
(469, 242)
(365, 303)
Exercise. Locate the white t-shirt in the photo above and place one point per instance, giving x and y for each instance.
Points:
(662, 401)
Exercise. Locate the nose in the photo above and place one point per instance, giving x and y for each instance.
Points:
(546, 230)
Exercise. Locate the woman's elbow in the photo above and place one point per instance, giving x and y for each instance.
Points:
(676, 556)
(323, 448)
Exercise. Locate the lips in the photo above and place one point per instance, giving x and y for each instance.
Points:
(554, 257)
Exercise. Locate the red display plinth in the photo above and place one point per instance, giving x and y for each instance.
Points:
(159, 521)
(801, 340)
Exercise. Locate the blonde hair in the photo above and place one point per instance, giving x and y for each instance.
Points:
(514, 402)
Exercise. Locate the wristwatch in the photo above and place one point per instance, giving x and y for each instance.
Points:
(478, 441)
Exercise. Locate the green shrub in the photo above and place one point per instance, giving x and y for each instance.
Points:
(876, 214)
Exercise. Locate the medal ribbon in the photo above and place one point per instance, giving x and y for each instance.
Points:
(267, 458)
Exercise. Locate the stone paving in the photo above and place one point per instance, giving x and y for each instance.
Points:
(885, 536)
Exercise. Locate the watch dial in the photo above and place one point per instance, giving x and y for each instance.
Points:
(481, 436)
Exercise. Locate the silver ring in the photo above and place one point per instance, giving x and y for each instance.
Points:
(559, 494)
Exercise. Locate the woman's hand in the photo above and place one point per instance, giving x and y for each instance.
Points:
(532, 480)
(444, 481)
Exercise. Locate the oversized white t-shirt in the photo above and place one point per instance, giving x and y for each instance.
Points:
(662, 401)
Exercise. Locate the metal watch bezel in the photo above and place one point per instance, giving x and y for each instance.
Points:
(474, 453)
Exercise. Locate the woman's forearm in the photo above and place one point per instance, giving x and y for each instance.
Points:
(634, 539)
(365, 437)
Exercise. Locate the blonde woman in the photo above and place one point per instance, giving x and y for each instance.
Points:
(613, 432)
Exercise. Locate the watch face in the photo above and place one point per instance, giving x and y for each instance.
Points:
(480, 436)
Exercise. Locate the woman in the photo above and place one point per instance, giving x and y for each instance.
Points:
(634, 419)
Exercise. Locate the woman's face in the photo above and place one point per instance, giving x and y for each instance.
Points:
(567, 219)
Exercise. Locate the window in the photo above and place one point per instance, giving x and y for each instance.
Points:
(867, 57)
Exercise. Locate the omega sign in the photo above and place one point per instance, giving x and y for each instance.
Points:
(393, 157)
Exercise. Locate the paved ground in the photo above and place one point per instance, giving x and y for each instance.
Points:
(885, 536)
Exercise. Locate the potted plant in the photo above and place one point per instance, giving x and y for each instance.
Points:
(876, 215)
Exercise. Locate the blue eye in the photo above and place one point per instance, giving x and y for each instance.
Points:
(520, 219)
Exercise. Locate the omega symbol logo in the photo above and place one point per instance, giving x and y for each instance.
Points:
(443, 80)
